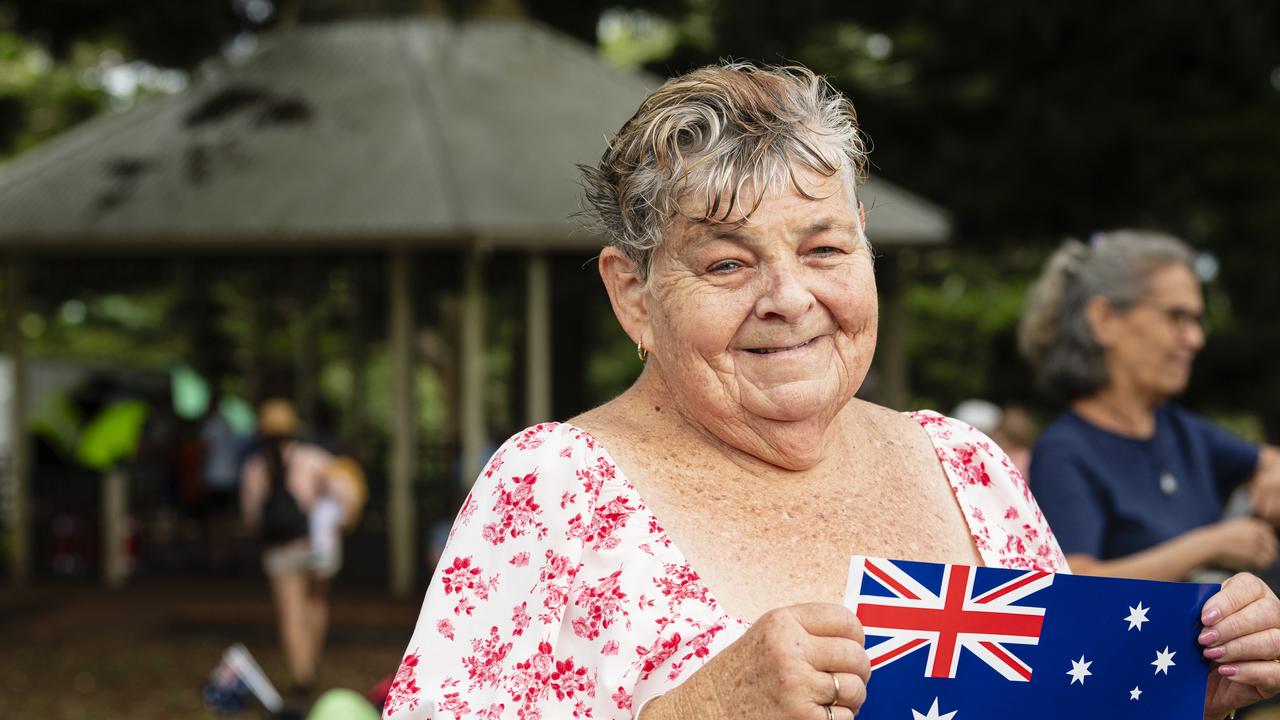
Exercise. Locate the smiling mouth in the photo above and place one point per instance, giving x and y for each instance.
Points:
(770, 351)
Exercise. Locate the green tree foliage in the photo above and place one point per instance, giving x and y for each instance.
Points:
(40, 97)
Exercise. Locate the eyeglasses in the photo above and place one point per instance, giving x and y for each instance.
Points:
(1179, 317)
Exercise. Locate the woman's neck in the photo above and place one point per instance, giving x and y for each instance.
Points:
(754, 447)
(1124, 413)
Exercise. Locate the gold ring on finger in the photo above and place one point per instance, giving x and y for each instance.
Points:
(836, 681)
(830, 715)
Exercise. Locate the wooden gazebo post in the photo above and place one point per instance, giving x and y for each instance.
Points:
(20, 504)
(537, 338)
(471, 369)
(401, 507)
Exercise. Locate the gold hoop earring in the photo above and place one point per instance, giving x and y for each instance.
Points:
(642, 352)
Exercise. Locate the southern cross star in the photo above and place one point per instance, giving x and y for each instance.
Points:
(1079, 670)
(1135, 693)
(1164, 660)
(933, 713)
(1137, 616)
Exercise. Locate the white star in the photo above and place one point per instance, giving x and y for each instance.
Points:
(1137, 616)
(1079, 670)
(933, 713)
(1135, 693)
(1164, 660)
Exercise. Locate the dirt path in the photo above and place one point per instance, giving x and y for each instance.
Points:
(142, 653)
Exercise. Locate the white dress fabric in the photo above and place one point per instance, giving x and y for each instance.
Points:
(560, 595)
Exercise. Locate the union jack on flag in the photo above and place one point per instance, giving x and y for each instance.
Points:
(951, 618)
(962, 642)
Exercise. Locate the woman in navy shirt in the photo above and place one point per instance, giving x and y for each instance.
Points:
(1132, 484)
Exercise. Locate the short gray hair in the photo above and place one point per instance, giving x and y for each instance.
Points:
(1054, 334)
(712, 131)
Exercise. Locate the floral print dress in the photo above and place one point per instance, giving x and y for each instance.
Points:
(560, 596)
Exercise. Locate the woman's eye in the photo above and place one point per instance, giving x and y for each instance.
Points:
(724, 266)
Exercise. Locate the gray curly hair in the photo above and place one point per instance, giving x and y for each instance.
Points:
(708, 134)
(1054, 334)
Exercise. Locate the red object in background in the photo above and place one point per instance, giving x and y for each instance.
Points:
(131, 544)
(377, 695)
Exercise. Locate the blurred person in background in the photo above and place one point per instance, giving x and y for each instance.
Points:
(1132, 484)
(296, 499)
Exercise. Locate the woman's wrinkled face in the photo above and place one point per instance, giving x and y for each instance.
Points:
(772, 318)
(1162, 334)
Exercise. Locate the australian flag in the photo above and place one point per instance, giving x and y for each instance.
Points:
(955, 642)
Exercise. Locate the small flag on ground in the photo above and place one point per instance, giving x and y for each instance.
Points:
(955, 642)
(234, 680)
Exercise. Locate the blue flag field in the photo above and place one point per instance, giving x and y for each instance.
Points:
(955, 642)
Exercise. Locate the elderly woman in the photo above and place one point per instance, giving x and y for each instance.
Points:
(681, 551)
(1133, 485)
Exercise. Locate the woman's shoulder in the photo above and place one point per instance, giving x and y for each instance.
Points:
(1174, 416)
(1008, 526)
(546, 446)
(972, 457)
(554, 461)
(944, 430)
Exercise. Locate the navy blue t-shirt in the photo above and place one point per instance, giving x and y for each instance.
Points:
(1108, 496)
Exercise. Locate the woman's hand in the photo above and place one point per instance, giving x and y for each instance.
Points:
(1242, 641)
(1243, 543)
(781, 668)
(1264, 490)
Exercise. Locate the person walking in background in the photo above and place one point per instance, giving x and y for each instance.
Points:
(1132, 484)
(285, 484)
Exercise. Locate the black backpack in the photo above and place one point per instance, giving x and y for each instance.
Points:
(282, 518)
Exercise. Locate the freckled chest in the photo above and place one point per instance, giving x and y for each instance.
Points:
(765, 542)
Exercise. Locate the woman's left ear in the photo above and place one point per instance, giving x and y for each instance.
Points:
(1101, 317)
(626, 288)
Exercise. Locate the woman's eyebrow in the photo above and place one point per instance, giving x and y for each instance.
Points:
(825, 224)
(732, 235)
(738, 236)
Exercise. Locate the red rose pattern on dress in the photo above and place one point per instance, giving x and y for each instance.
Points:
(404, 691)
(559, 594)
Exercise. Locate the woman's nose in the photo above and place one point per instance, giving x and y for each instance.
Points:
(784, 294)
(1194, 336)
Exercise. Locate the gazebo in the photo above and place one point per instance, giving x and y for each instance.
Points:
(398, 136)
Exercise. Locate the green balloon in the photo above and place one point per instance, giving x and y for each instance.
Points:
(113, 435)
(239, 414)
(342, 704)
(190, 393)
